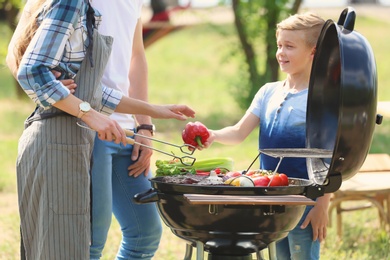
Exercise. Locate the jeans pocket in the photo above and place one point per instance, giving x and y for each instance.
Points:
(68, 178)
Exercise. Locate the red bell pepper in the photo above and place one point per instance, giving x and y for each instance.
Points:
(195, 134)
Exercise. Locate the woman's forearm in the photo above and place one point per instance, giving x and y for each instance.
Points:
(129, 105)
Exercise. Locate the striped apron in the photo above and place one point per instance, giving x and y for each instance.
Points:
(53, 166)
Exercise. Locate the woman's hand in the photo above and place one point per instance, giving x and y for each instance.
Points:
(69, 83)
(179, 112)
(128, 105)
(107, 128)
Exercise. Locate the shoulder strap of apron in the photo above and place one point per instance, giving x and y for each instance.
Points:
(91, 25)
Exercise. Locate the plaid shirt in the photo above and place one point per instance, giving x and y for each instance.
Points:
(60, 43)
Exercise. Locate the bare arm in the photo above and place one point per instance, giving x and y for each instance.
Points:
(137, 102)
(134, 106)
(234, 134)
(138, 77)
(107, 128)
(138, 73)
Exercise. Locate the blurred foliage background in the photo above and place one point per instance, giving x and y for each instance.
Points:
(205, 66)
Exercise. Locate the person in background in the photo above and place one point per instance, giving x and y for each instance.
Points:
(57, 37)
(279, 109)
(119, 172)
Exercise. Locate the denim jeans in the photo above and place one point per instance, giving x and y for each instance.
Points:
(299, 244)
(112, 192)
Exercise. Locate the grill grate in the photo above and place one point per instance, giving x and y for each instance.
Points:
(298, 153)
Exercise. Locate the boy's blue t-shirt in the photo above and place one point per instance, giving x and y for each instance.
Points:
(282, 125)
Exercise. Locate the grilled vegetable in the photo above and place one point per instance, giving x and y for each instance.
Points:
(240, 181)
(260, 178)
(261, 181)
(175, 167)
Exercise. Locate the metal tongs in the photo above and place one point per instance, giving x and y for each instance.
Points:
(187, 160)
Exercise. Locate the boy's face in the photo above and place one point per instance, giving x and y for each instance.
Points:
(294, 55)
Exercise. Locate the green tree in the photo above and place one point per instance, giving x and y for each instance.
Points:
(255, 22)
(9, 10)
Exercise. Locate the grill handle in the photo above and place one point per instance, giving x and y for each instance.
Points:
(347, 19)
(146, 197)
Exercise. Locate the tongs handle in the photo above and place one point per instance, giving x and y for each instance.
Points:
(129, 132)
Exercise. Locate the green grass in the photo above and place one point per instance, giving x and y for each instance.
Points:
(198, 72)
(371, 27)
(12, 114)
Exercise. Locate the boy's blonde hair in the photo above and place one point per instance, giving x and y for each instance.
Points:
(309, 22)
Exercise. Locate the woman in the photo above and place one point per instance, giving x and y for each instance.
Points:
(54, 153)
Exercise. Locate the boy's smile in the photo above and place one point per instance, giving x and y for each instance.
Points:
(293, 54)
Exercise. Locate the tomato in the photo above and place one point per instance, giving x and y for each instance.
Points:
(251, 173)
(261, 181)
(257, 175)
(284, 179)
(233, 174)
(275, 180)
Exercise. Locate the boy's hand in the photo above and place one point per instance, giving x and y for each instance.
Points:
(209, 140)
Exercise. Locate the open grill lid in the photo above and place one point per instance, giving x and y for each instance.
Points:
(342, 101)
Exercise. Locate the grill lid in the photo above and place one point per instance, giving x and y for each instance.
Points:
(342, 101)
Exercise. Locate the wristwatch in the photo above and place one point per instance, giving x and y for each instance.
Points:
(151, 128)
(84, 107)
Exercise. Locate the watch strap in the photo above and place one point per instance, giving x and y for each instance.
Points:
(80, 114)
(151, 128)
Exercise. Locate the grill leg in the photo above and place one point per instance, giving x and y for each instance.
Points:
(199, 250)
(272, 251)
(188, 254)
(259, 255)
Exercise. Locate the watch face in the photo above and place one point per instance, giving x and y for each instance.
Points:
(85, 106)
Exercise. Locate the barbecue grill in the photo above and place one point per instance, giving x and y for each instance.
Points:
(231, 223)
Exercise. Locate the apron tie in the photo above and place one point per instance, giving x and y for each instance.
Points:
(90, 26)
